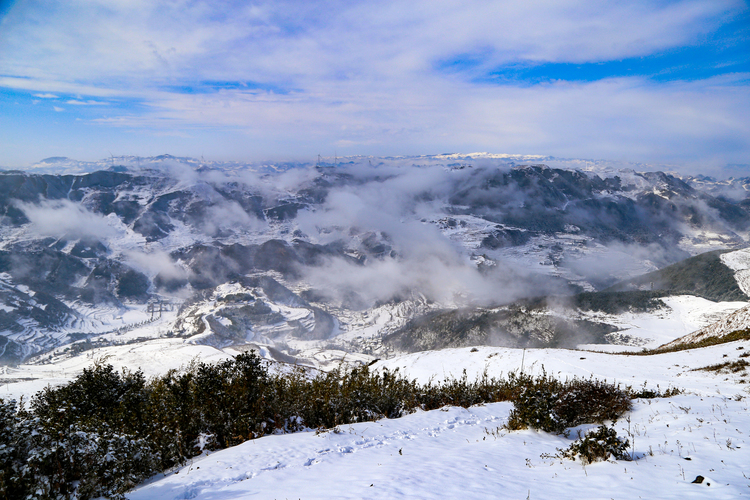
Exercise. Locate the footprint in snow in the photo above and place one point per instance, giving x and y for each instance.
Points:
(368, 443)
(274, 467)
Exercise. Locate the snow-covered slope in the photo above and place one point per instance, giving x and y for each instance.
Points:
(739, 262)
(683, 315)
(738, 320)
(466, 453)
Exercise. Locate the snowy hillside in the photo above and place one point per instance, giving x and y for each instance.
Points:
(683, 315)
(364, 244)
(738, 320)
(739, 262)
(466, 453)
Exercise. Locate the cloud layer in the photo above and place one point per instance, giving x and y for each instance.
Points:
(292, 78)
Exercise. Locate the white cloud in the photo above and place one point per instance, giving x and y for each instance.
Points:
(297, 42)
(154, 262)
(389, 202)
(65, 218)
(365, 77)
(626, 118)
(230, 216)
(89, 102)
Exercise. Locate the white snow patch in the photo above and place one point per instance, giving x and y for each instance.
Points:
(738, 320)
(739, 262)
(684, 314)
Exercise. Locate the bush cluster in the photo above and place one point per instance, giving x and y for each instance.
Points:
(597, 445)
(72, 447)
(550, 405)
(645, 393)
(107, 431)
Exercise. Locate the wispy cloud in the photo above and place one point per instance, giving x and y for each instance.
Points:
(90, 102)
(389, 77)
(64, 218)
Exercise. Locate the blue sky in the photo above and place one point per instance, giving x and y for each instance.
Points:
(646, 81)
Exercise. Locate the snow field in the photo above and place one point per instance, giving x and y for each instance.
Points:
(153, 357)
(685, 314)
(670, 369)
(465, 453)
(739, 262)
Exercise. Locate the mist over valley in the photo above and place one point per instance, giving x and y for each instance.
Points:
(365, 255)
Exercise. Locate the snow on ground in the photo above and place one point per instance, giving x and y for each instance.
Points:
(152, 357)
(670, 369)
(739, 262)
(738, 320)
(465, 453)
(383, 319)
(685, 314)
(460, 453)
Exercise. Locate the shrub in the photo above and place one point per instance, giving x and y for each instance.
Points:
(597, 446)
(726, 367)
(224, 400)
(100, 395)
(550, 405)
(105, 432)
(644, 393)
(585, 401)
(10, 486)
(87, 439)
(534, 404)
(42, 459)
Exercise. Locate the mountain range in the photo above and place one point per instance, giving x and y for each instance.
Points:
(372, 255)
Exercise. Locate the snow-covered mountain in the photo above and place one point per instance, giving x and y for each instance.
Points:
(356, 255)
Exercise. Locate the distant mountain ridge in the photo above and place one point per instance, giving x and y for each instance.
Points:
(704, 275)
(344, 238)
